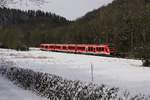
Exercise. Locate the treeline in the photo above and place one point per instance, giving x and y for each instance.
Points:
(26, 28)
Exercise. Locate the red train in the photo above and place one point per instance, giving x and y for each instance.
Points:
(102, 49)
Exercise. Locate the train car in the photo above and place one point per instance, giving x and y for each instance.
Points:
(102, 49)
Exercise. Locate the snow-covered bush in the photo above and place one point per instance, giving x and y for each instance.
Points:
(57, 88)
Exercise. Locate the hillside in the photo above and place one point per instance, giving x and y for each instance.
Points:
(70, 9)
(124, 23)
(26, 27)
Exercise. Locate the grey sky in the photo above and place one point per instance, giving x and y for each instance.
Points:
(71, 9)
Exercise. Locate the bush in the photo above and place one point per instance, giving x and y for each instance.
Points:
(55, 87)
(146, 62)
(142, 52)
(22, 48)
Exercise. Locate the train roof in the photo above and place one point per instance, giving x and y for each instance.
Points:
(77, 44)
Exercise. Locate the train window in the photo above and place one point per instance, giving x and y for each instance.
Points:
(94, 49)
(52, 47)
(42, 46)
(64, 47)
(71, 47)
(90, 48)
(98, 49)
(46, 46)
(106, 50)
(81, 48)
(57, 47)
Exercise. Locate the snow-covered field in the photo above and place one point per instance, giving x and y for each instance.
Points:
(126, 74)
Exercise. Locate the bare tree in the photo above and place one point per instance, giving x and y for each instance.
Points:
(38, 2)
(4, 3)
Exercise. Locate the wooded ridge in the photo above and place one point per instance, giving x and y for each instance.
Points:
(124, 23)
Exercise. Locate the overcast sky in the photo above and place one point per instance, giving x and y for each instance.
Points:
(70, 9)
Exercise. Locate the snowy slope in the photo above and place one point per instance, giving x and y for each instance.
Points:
(8, 91)
(123, 73)
(71, 9)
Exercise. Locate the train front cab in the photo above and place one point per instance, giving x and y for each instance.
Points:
(102, 50)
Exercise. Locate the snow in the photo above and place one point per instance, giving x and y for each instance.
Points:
(127, 74)
(56, 88)
(8, 91)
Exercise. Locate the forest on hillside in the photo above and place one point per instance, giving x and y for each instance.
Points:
(18, 28)
(124, 23)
